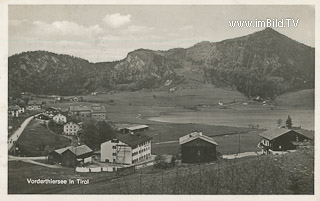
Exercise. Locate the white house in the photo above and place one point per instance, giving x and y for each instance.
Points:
(14, 110)
(126, 149)
(60, 119)
(72, 128)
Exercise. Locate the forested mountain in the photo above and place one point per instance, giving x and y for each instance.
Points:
(264, 63)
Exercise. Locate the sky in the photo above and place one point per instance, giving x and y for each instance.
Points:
(101, 33)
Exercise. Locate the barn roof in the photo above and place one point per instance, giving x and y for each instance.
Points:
(80, 150)
(60, 151)
(79, 108)
(306, 133)
(14, 108)
(35, 102)
(195, 135)
(277, 132)
(137, 127)
(133, 140)
(98, 108)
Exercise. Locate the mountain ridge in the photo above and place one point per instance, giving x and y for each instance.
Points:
(264, 63)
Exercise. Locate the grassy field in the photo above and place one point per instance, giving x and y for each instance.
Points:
(298, 99)
(286, 174)
(37, 140)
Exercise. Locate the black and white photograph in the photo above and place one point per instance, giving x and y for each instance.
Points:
(160, 99)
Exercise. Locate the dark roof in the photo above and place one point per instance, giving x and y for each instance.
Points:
(306, 133)
(133, 139)
(60, 151)
(277, 132)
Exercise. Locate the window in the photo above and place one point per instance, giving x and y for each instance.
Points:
(113, 147)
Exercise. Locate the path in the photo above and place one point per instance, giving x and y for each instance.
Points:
(240, 155)
(15, 136)
(31, 160)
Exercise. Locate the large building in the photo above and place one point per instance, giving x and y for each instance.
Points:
(59, 118)
(277, 140)
(34, 105)
(133, 128)
(94, 111)
(126, 149)
(72, 128)
(14, 110)
(197, 148)
(98, 112)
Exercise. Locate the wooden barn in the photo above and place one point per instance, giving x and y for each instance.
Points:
(55, 156)
(75, 156)
(197, 148)
(282, 139)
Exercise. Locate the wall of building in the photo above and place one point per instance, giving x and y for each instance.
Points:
(71, 128)
(116, 152)
(198, 151)
(141, 152)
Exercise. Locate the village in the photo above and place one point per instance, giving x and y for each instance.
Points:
(130, 146)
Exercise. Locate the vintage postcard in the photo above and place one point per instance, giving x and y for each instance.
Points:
(204, 100)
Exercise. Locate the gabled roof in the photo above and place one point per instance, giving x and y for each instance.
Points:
(276, 132)
(98, 108)
(196, 135)
(80, 150)
(14, 108)
(137, 127)
(306, 133)
(60, 151)
(35, 102)
(79, 108)
(133, 140)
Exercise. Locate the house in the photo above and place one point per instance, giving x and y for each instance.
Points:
(126, 149)
(275, 141)
(80, 110)
(55, 156)
(60, 118)
(14, 111)
(98, 112)
(134, 129)
(34, 105)
(75, 156)
(72, 128)
(75, 99)
(197, 148)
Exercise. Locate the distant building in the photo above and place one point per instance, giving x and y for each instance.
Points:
(94, 111)
(14, 111)
(98, 112)
(34, 105)
(52, 110)
(75, 156)
(134, 129)
(126, 149)
(59, 118)
(43, 117)
(72, 128)
(197, 148)
(82, 111)
(275, 141)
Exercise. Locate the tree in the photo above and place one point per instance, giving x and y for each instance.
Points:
(289, 122)
(105, 131)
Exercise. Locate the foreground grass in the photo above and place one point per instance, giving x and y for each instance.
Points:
(286, 174)
(37, 140)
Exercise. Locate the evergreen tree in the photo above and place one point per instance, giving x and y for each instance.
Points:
(289, 122)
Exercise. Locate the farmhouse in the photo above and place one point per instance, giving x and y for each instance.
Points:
(14, 110)
(197, 148)
(133, 129)
(75, 156)
(34, 105)
(274, 141)
(126, 149)
(98, 112)
(43, 117)
(72, 128)
(59, 118)
(55, 156)
(82, 111)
